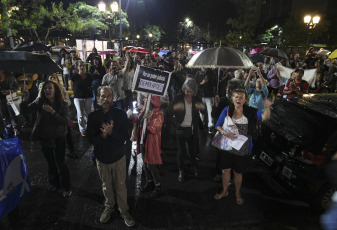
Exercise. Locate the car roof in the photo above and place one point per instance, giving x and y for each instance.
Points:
(304, 120)
(324, 104)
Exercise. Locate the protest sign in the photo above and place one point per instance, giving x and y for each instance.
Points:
(151, 81)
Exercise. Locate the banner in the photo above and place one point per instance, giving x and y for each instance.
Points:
(14, 180)
(151, 81)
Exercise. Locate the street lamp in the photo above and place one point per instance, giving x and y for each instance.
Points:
(150, 37)
(311, 23)
(138, 36)
(114, 8)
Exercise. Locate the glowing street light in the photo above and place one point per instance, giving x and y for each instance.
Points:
(114, 7)
(150, 35)
(101, 7)
(138, 36)
(311, 21)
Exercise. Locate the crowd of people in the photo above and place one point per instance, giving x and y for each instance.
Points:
(196, 100)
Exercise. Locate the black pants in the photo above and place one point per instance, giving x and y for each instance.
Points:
(181, 144)
(58, 174)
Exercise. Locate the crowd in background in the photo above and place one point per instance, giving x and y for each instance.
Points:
(196, 100)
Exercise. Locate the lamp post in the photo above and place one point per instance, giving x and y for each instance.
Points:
(311, 23)
(114, 8)
(150, 38)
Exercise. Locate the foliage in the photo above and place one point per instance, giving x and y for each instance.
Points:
(295, 32)
(271, 35)
(187, 32)
(241, 32)
(40, 19)
(87, 20)
(156, 31)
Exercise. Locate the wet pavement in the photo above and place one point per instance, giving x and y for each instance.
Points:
(188, 205)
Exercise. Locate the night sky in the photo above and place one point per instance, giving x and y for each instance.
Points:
(159, 12)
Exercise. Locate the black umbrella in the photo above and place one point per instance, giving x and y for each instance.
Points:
(25, 62)
(31, 46)
(220, 57)
(273, 52)
(255, 58)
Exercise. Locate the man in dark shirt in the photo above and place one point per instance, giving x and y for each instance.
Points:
(90, 58)
(107, 131)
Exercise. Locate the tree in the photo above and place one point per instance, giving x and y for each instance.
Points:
(295, 32)
(86, 21)
(156, 32)
(41, 20)
(241, 32)
(188, 32)
(271, 35)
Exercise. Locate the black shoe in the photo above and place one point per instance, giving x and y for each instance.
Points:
(149, 186)
(156, 192)
(197, 158)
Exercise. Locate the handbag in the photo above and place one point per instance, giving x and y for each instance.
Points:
(220, 141)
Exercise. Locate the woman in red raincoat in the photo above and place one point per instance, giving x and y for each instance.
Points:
(151, 149)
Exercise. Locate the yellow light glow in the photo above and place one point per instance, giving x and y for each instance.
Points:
(307, 19)
(101, 6)
(316, 19)
(114, 7)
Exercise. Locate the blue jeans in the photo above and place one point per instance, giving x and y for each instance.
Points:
(83, 108)
(58, 174)
(329, 218)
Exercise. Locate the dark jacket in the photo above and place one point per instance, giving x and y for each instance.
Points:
(112, 148)
(47, 126)
(179, 116)
(207, 89)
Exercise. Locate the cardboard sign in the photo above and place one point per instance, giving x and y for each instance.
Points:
(151, 81)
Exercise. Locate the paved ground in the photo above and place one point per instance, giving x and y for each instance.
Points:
(182, 206)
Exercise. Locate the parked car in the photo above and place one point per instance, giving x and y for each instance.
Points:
(293, 145)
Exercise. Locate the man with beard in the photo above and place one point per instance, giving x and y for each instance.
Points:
(107, 132)
(114, 79)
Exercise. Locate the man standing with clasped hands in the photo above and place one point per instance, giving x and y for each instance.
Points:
(107, 131)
